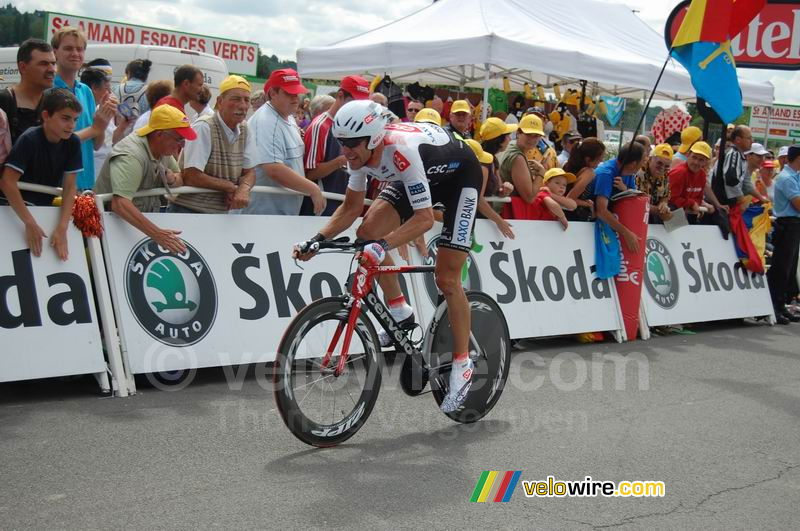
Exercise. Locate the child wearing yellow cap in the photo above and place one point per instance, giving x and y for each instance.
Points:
(544, 206)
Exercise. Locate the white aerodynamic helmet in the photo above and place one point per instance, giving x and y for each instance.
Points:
(361, 119)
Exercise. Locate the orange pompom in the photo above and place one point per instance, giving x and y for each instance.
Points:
(86, 216)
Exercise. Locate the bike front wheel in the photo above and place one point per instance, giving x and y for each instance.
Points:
(490, 349)
(318, 406)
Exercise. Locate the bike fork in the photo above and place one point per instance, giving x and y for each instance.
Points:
(350, 325)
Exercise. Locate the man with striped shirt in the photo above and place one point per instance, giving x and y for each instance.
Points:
(323, 160)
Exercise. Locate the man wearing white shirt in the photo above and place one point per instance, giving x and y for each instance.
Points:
(221, 158)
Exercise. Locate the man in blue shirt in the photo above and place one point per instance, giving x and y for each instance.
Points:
(614, 176)
(69, 46)
(786, 237)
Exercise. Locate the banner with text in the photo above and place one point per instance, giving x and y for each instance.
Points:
(784, 121)
(241, 57)
(47, 311)
(693, 275)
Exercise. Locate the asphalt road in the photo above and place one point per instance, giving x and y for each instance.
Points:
(713, 415)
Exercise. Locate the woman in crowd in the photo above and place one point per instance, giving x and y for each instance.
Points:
(131, 93)
(98, 78)
(495, 137)
(583, 160)
(514, 167)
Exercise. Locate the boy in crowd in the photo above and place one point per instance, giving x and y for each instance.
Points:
(544, 207)
(50, 155)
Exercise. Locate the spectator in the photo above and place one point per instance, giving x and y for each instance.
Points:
(321, 103)
(735, 181)
(258, 99)
(412, 109)
(526, 176)
(571, 139)
(156, 91)
(324, 162)
(550, 202)
(99, 83)
(755, 157)
(69, 46)
(786, 237)
(200, 104)
(380, 99)
(132, 93)
(188, 83)
(22, 102)
(485, 210)
(143, 161)
(50, 155)
(688, 185)
(543, 152)
(783, 155)
(613, 176)
(429, 116)
(495, 138)
(689, 136)
(5, 139)
(220, 158)
(653, 181)
(765, 179)
(645, 141)
(583, 160)
(279, 148)
(460, 119)
(437, 105)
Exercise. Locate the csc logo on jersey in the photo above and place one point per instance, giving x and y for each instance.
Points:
(443, 169)
(400, 162)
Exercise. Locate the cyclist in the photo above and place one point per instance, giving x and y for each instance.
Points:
(423, 164)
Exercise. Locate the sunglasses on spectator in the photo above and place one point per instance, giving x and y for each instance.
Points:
(660, 163)
(176, 137)
(350, 143)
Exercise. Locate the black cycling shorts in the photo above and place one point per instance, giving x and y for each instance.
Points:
(458, 194)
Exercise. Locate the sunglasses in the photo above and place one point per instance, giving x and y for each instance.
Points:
(350, 143)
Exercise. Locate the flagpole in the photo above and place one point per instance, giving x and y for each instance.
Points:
(653, 93)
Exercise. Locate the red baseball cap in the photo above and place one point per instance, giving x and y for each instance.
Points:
(356, 86)
(287, 79)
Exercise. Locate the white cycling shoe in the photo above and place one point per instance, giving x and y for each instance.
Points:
(460, 382)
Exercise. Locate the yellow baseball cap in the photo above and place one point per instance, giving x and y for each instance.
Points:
(531, 125)
(558, 172)
(428, 116)
(232, 82)
(166, 117)
(663, 151)
(494, 127)
(483, 157)
(701, 148)
(460, 106)
(689, 136)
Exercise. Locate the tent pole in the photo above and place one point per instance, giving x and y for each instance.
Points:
(484, 108)
(644, 118)
(653, 93)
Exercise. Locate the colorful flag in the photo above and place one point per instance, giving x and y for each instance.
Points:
(703, 47)
(495, 486)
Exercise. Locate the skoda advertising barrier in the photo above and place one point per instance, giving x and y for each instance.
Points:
(543, 280)
(47, 315)
(693, 275)
(227, 299)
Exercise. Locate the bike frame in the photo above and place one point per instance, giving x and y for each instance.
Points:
(361, 294)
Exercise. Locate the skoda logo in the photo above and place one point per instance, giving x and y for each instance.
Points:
(173, 297)
(661, 276)
(470, 278)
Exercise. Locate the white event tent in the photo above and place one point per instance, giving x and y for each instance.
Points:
(475, 43)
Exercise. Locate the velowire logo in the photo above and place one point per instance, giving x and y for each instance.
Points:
(662, 275)
(173, 297)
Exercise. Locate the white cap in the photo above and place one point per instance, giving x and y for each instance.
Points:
(756, 149)
(784, 151)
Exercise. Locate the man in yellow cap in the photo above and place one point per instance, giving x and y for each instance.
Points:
(688, 186)
(221, 158)
(143, 161)
(460, 119)
(689, 136)
(653, 180)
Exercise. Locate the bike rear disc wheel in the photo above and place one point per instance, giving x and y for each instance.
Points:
(319, 407)
(491, 356)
